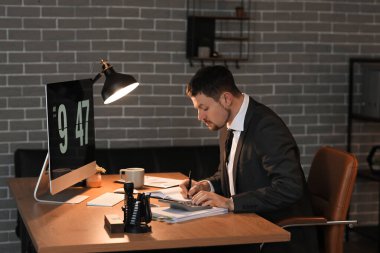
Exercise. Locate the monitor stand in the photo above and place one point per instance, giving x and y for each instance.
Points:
(42, 190)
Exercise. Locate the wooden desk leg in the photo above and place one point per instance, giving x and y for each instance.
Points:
(26, 242)
(378, 220)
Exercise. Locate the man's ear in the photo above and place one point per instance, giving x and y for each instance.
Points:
(227, 98)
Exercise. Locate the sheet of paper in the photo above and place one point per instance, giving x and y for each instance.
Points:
(161, 182)
(106, 199)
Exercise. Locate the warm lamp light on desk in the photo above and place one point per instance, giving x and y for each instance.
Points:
(71, 132)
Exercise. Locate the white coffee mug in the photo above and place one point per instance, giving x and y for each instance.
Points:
(135, 175)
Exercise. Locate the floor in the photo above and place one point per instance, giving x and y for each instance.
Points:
(362, 240)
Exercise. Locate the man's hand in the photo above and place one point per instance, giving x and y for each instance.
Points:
(196, 187)
(206, 198)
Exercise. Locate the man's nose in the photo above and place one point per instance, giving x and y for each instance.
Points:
(200, 116)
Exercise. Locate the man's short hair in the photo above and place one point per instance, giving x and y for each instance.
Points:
(212, 81)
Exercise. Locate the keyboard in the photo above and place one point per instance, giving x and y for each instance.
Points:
(106, 199)
(184, 205)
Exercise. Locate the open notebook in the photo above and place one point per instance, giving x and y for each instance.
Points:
(173, 193)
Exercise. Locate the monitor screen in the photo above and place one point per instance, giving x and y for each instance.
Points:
(71, 134)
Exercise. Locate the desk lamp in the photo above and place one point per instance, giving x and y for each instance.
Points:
(71, 133)
(116, 85)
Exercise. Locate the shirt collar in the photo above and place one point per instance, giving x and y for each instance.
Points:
(237, 123)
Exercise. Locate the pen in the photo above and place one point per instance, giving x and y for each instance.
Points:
(189, 186)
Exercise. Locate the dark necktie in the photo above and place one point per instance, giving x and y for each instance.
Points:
(230, 136)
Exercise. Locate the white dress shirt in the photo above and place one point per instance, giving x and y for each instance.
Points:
(237, 126)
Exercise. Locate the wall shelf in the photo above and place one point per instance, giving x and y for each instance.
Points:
(232, 38)
(224, 33)
(221, 17)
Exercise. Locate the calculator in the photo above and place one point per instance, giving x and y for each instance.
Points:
(184, 205)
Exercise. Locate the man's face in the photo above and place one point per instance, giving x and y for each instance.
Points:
(213, 113)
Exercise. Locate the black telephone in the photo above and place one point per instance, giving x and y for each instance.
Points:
(137, 213)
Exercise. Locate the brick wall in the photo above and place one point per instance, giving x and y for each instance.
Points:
(299, 52)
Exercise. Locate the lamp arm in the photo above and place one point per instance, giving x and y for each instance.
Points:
(97, 77)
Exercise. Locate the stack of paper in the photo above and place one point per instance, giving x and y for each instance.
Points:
(172, 215)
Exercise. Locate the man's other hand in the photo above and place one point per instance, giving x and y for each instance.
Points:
(195, 188)
(206, 198)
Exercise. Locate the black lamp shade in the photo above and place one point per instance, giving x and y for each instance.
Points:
(117, 85)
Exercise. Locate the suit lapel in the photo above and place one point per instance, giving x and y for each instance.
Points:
(247, 121)
(225, 183)
(237, 155)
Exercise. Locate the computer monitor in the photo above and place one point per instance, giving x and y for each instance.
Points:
(71, 140)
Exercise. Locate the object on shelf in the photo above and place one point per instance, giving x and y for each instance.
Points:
(373, 160)
(215, 54)
(240, 12)
(203, 52)
(200, 33)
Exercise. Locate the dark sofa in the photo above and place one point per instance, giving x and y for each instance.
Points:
(201, 160)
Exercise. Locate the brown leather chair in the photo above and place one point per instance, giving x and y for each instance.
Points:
(331, 181)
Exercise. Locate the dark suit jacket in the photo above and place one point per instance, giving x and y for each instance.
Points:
(268, 176)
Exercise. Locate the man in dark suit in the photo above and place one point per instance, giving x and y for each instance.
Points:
(259, 169)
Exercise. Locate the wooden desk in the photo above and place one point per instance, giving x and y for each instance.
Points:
(80, 228)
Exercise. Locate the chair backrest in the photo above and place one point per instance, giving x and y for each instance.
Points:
(331, 182)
